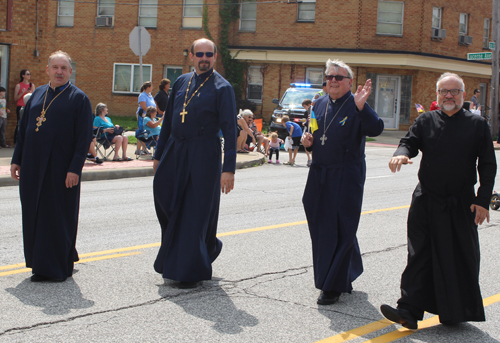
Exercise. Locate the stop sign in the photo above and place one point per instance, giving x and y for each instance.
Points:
(139, 41)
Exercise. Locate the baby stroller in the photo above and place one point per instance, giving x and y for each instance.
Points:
(495, 201)
(147, 142)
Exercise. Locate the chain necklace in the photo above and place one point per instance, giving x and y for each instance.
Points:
(324, 138)
(186, 102)
(42, 118)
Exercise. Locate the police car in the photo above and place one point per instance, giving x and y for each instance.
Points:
(291, 105)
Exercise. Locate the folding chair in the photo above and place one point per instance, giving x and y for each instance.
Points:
(146, 140)
(103, 144)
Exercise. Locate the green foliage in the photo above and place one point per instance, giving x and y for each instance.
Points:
(128, 123)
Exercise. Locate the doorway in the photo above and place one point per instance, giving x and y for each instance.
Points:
(387, 100)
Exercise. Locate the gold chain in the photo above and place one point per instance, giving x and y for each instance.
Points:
(186, 102)
(42, 118)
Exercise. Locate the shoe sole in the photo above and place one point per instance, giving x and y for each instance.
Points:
(393, 316)
(328, 302)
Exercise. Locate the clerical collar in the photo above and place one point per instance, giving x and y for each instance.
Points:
(341, 99)
(204, 75)
(60, 88)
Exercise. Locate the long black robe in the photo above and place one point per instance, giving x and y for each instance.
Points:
(187, 181)
(442, 275)
(49, 209)
(334, 191)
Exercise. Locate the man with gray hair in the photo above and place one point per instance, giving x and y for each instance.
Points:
(334, 190)
(53, 139)
(442, 274)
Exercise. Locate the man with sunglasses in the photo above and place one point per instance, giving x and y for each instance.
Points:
(334, 190)
(188, 173)
(442, 272)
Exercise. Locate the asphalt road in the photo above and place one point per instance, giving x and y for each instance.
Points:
(262, 290)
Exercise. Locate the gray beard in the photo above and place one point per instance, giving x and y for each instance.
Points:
(450, 107)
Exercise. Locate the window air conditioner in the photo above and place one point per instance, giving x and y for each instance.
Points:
(464, 40)
(104, 21)
(438, 33)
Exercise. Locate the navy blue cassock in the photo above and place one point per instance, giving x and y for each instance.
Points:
(49, 209)
(334, 190)
(442, 274)
(187, 181)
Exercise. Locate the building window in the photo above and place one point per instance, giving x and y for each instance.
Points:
(172, 73)
(192, 14)
(390, 18)
(314, 76)
(126, 77)
(248, 15)
(147, 13)
(462, 28)
(486, 34)
(106, 7)
(255, 82)
(306, 10)
(72, 78)
(436, 17)
(65, 13)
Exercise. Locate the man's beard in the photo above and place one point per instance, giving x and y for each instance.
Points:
(204, 65)
(450, 107)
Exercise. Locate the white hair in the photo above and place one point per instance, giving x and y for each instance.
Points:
(336, 64)
(448, 74)
(245, 113)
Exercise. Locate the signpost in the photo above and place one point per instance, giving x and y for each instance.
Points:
(476, 56)
(140, 43)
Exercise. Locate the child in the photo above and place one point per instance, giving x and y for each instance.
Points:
(295, 133)
(274, 146)
(3, 118)
(307, 104)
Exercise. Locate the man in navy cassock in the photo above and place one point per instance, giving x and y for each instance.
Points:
(188, 174)
(334, 190)
(442, 273)
(52, 143)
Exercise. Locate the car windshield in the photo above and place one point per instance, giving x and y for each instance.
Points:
(294, 96)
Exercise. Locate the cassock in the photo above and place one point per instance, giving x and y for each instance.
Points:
(442, 274)
(334, 190)
(49, 209)
(187, 180)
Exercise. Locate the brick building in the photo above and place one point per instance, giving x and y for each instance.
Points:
(403, 46)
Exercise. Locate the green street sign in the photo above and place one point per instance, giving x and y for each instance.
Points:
(479, 56)
(492, 45)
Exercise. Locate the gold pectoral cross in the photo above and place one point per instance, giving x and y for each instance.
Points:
(40, 120)
(183, 114)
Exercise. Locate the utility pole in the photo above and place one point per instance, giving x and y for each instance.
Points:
(494, 68)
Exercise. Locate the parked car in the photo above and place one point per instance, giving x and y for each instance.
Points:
(291, 105)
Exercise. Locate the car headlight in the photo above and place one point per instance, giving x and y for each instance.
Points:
(278, 120)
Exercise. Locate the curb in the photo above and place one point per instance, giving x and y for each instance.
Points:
(110, 174)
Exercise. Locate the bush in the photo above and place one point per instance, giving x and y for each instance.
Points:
(244, 104)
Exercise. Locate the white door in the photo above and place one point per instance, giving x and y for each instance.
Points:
(387, 100)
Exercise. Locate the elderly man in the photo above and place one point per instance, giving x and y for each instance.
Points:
(53, 140)
(334, 190)
(442, 273)
(188, 179)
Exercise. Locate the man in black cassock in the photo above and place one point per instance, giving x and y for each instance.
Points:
(52, 143)
(188, 174)
(442, 274)
(334, 191)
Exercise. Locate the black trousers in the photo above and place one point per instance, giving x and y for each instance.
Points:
(276, 150)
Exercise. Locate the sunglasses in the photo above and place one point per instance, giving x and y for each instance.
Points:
(27, 74)
(337, 77)
(200, 54)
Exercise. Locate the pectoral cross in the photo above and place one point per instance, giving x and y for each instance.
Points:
(323, 139)
(40, 119)
(183, 114)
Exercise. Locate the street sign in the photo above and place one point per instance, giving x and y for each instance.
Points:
(140, 41)
(479, 56)
(492, 45)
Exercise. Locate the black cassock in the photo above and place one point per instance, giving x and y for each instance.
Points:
(442, 274)
(334, 190)
(49, 209)
(187, 181)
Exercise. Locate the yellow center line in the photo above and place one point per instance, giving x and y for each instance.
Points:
(223, 234)
(357, 332)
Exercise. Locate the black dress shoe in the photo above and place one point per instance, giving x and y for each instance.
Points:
(188, 285)
(328, 297)
(399, 315)
(41, 278)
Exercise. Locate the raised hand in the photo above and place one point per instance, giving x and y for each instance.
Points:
(362, 94)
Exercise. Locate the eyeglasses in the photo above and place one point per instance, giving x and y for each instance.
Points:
(200, 54)
(27, 74)
(337, 77)
(452, 91)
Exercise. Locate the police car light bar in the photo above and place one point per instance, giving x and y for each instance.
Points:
(301, 85)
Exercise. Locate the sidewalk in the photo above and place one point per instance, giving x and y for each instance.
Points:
(143, 165)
